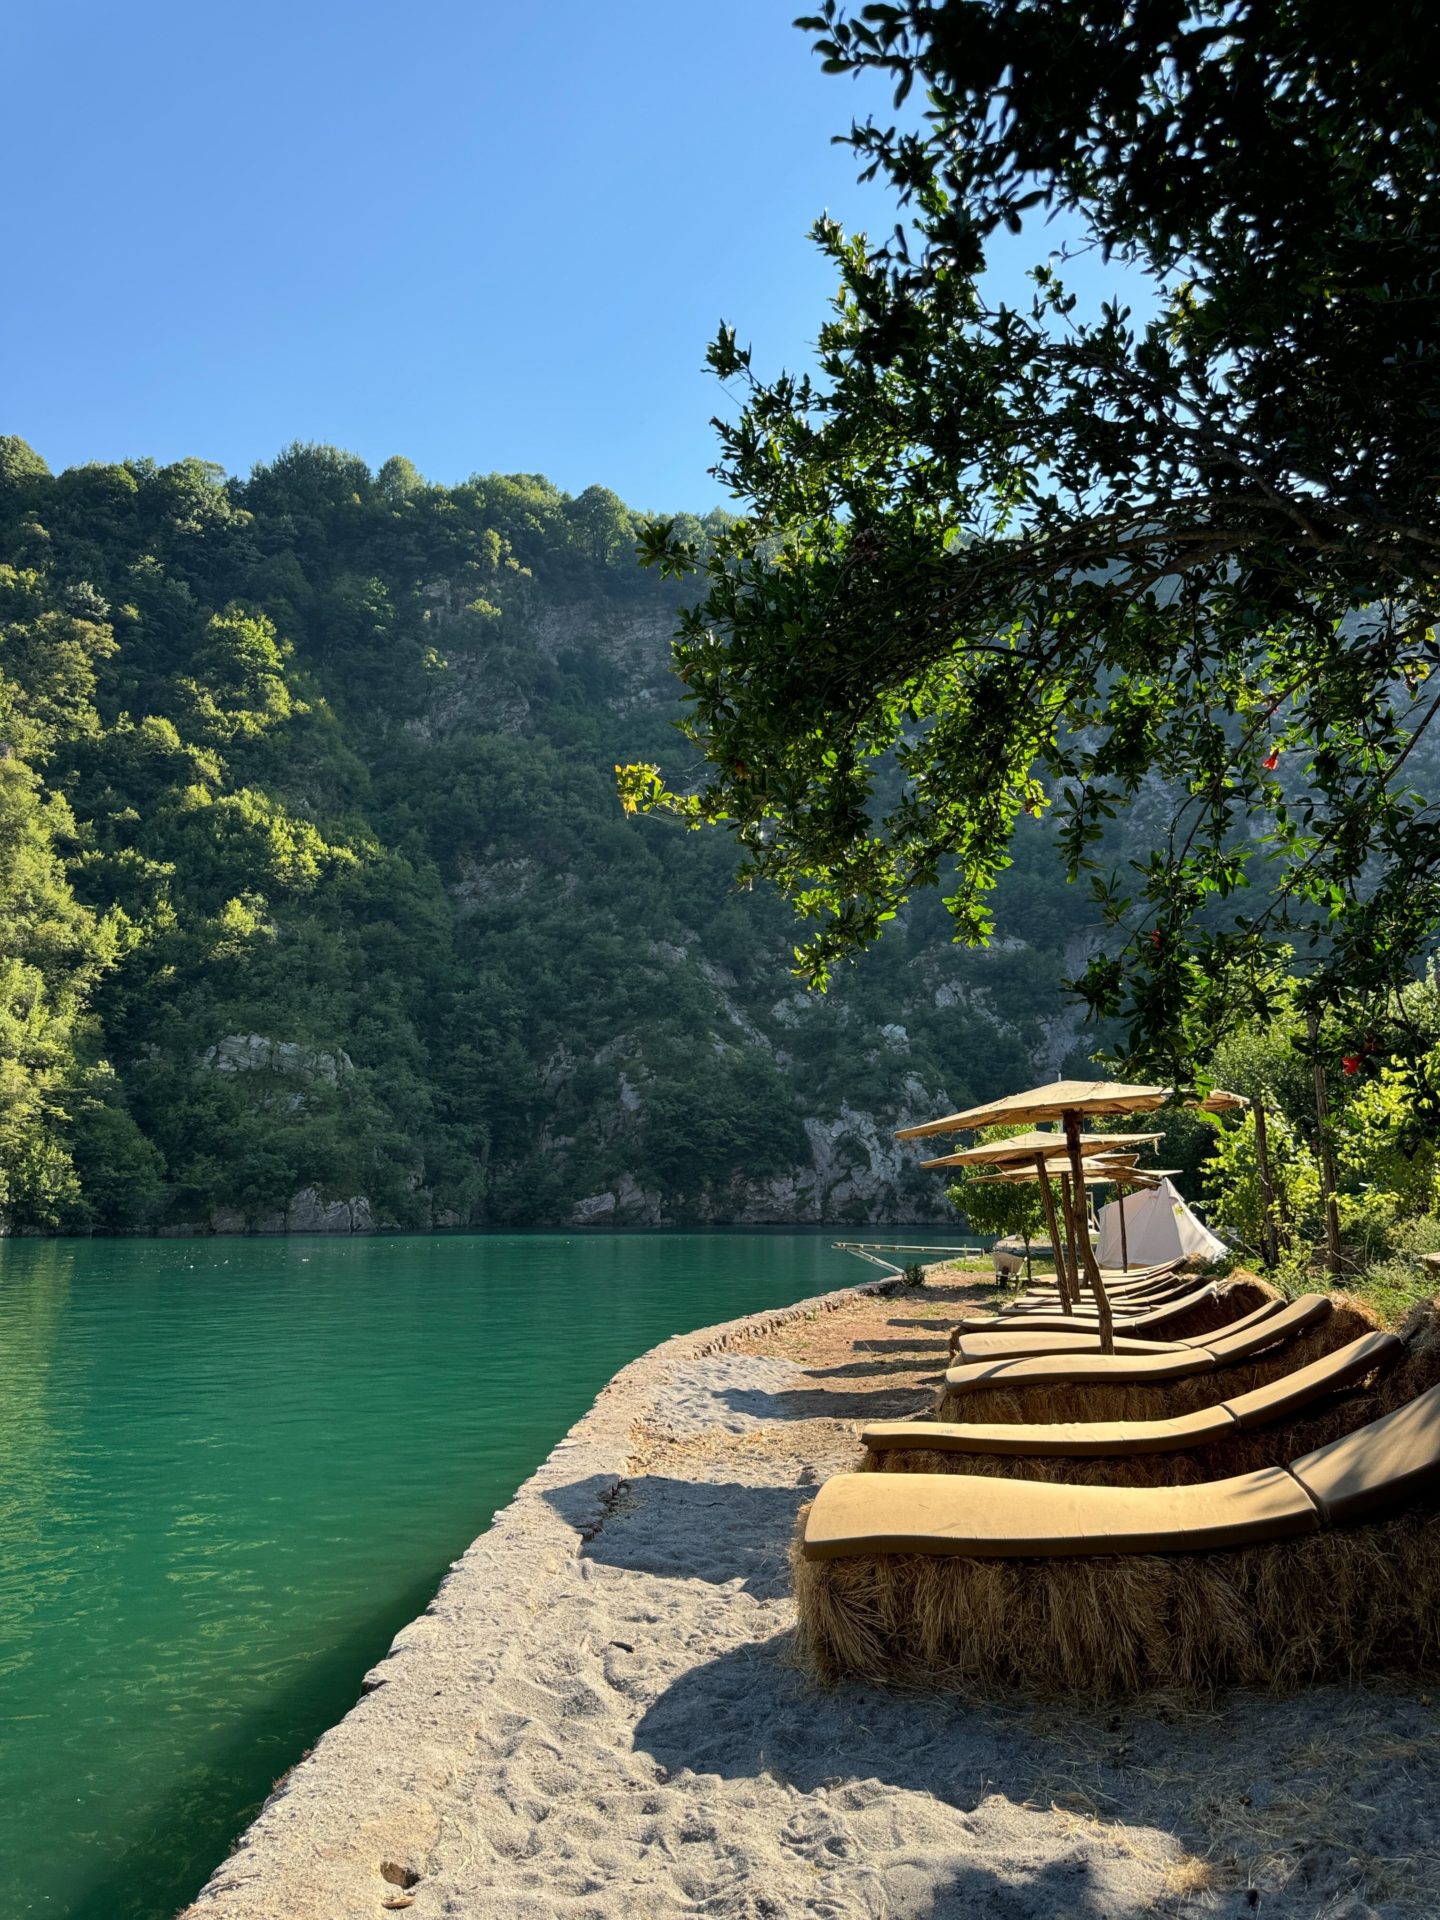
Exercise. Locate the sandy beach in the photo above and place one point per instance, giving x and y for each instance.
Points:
(600, 1715)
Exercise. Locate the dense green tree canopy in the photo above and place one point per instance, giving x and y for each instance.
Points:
(314, 877)
(1004, 560)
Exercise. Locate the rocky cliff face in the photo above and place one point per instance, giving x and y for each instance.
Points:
(661, 1064)
(338, 749)
(919, 1029)
(308, 1212)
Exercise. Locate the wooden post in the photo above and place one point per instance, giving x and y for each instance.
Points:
(1047, 1200)
(1269, 1231)
(1067, 1208)
(1326, 1156)
(1092, 1269)
(1124, 1245)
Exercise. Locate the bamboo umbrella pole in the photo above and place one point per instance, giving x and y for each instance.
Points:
(1067, 1209)
(1092, 1269)
(1047, 1200)
(1124, 1245)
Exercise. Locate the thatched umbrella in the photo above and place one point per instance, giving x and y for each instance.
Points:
(1220, 1100)
(1118, 1170)
(1098, 1173)
(1043, 1153)
(1043, 1143)
(1067, 1101)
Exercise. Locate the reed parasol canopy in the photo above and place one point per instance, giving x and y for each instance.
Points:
(1220, 1100)
(1050, 1102)
(1025, 1146)
(1069, 1102)
(1098, 1173)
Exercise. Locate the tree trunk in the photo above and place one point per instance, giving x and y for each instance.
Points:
(1072, 1250)
(1269, 1229)
(1325, 1155)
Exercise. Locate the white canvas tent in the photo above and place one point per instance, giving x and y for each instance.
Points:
(1158, 1226)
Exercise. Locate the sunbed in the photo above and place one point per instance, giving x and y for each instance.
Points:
(1173, 1288)
(1280, 1574)
(1357, 1478)
(1277, 1401)
(1152, 1362)
(1046, 1292)
(1079, 1318)
(1142, 1334)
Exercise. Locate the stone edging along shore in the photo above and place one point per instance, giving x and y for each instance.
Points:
(356, 1818)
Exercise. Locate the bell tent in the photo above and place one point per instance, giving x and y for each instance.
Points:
(1158, 1226)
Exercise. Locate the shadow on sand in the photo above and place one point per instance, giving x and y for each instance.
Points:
(753, 1712)
(821, 1403)
(717, 1531)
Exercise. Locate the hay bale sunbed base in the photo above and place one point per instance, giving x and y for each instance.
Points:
(1325, 1567)
(1329, 1606)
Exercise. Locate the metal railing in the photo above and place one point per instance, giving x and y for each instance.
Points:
(874, 1250)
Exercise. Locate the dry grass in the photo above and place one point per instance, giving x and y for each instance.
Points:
(1331, 1606)
(1262, 1842)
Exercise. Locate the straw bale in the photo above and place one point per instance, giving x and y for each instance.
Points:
(1330, 1606)
(1103, 1401)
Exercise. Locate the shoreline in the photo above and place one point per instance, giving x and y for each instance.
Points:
(386, 1818)
(586, 1229)
(600, 1715)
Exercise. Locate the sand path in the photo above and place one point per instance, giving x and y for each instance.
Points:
(598, 1717)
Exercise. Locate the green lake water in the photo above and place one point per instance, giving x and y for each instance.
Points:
(230, 1470)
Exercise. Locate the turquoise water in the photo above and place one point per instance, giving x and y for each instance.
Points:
(230, 1470)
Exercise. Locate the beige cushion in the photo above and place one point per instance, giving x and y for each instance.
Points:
(999, 1346)
(1148, 1316)
(1373, 1469)
(1085, 1337)
(1153, 1294)
(1329, 1374)
(1177, 1363)
(957, 1513)
(1119, 1304)
(1094, 1438)
(1052, 1369)
(1227, 1345)
(1068, 1439)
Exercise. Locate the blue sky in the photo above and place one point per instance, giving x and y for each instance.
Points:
(484, 236)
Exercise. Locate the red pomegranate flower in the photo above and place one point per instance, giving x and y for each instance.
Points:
(1350, 1062)
(1271, 761)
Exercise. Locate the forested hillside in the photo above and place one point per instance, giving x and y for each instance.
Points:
(320, 909)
